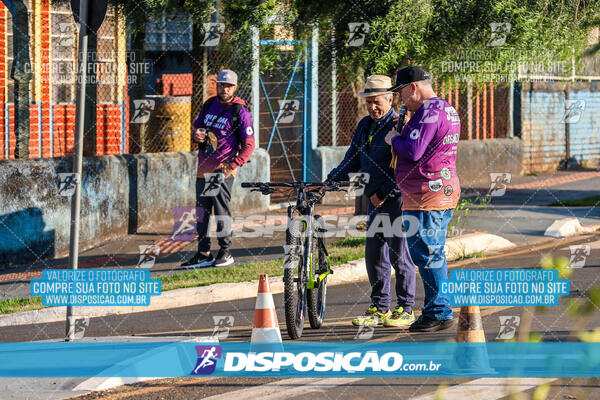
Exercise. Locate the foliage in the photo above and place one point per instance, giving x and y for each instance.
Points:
(591, 201)
(431, 33)
(463, 208)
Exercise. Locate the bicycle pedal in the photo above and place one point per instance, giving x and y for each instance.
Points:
(321, 230)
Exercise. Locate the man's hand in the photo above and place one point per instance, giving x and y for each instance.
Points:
(199, 135)
(228, 169)
(395, 119)
(390, 136)
(376, 201)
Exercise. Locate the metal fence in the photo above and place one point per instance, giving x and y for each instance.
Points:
(145, 98)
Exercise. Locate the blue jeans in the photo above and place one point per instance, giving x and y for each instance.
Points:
(427, 251)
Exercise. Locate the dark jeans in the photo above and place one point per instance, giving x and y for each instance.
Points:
(427, 251)
(386, 250)
(220, 204)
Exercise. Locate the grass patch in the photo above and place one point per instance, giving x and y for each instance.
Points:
(479, 254)
(591, 201)
(340, 252)
(350, 242)
(14, 305)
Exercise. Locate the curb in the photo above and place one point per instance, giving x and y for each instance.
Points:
(105, 382)
(353, 271)
(567, 227)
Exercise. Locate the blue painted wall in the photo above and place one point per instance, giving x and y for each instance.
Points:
(542, 124)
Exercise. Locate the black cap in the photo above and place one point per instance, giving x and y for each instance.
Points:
(408, 75)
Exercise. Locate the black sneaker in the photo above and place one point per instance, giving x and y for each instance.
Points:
(224, 258)
(199, 260)
(426, 324)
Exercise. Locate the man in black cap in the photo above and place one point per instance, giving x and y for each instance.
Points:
(425, 170)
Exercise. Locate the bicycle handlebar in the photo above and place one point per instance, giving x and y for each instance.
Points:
(294, 184)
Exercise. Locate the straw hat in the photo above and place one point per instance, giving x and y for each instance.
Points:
(376, 86)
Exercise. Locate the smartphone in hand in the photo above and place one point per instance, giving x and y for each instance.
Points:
(401, 117)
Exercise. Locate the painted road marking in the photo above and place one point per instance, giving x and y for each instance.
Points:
(285, 389)
(485, 389)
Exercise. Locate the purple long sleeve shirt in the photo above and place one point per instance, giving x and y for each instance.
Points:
(224, 144)
(426, 157)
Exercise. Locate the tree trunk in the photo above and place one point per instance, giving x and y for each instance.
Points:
(21, 75)
(136, 87)
(358, 85)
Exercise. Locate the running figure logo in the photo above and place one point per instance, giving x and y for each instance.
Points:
(212, 185)
(207, 359)
(435, 259)
(79, 325)
(222, 325)
(500, 31)
(579, 254)
(142, 110)
(66, 183)
(148, 254)
(291, 253)
(67, 34)
(508, 327)
(573, 111)
(358, 183)
(212, 34)
(365, 332)
(186, 221)
(358, 32)
(499, 182)
(431, 112)
(287, 111)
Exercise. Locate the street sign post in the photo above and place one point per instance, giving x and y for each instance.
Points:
(89, 19)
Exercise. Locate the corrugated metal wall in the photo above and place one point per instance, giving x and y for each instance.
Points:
(551, 109)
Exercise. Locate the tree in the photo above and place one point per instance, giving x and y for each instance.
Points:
(434, 32)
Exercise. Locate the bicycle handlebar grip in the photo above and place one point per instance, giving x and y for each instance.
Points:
(249, 184)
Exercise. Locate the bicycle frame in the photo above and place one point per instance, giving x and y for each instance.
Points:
(305, 208)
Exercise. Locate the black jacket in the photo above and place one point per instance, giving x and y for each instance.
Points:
(373, 158)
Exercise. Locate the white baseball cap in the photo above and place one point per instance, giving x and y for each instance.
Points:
(227, 76)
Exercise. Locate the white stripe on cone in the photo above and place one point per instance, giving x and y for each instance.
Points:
(264, 300)
(266, 335)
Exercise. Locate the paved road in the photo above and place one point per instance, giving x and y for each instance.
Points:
(521, 216)
(344, 302)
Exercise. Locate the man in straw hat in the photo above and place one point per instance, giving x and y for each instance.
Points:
(384, 248)
(426, 175)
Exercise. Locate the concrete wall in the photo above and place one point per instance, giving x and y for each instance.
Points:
(324, 159)
(475, 160)
(541, 123)
(120, 194)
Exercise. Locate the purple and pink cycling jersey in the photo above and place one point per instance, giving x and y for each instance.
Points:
(426, 157)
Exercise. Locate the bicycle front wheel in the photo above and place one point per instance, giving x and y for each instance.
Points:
(316, 297)
(294, 286)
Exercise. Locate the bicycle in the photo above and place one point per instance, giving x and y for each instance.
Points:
(306, 263)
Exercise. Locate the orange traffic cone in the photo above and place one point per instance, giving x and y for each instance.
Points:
(472, 359)
(265, 327)
(470, 326)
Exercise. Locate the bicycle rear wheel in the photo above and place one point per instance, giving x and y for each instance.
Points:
(294, 290)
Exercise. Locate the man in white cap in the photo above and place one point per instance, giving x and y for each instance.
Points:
(370, 154)
(223, 131)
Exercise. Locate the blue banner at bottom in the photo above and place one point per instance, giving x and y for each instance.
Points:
(300, 359)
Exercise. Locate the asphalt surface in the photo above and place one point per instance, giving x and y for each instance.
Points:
(520, 215)
(344, 302)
